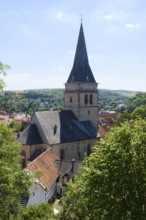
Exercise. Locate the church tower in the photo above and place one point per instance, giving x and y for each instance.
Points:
(81, 93)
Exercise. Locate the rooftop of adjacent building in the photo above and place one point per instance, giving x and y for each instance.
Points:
(106, 120)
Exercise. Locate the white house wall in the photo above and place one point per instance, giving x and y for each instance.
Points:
(37, 197)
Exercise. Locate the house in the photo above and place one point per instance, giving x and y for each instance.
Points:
(68, 171)
(45, 174)
(106, 120)
(70, 133)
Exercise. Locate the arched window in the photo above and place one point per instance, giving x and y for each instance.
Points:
(88, 150)
(62, 154)
(70, 99)
(23, 161)
(91, 99)
(86, 99)
(55, 129)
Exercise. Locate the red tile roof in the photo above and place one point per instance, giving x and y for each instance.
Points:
(45, 164)
(106, 120)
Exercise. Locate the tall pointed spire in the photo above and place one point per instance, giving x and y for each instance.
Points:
(81, 71)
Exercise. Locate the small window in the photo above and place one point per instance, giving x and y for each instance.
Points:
(91, 99)
(61, 191)
(70, 99)
(88, 150)
(86, 99)
(55, 129)
(62, 154)
(79, 155)
(88, 112)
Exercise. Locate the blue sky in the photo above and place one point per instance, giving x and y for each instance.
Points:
(38, 40)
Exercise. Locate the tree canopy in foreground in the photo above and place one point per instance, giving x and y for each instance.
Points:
(3, 68)
(14, 181)
(112, 185)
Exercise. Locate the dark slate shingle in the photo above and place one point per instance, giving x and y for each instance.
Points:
(58, 127)
(81, 71)
(30, 136)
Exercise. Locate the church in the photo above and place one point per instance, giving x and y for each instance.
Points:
(68, 134)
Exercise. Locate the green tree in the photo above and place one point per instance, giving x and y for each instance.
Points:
(3, 68)
(14, 181)
(139, 112)
(43, 211)
(112, 184)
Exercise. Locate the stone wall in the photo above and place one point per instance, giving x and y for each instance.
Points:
(74, 150)
(82, 99)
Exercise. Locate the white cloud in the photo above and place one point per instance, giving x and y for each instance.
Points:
(132, 26)
(20, 75)
(110, 17)
(61, 68)
(60, 15)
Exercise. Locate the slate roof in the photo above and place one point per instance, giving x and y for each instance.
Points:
(45, 164)
(30, 136)
(81, 71)
(58, 127)
(74, 130)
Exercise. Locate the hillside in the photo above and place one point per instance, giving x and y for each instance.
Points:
(29, 101)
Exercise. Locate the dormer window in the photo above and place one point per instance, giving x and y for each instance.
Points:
(87, 78)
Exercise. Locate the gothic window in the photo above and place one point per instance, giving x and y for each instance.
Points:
(55, 129)
(91, 99)
(79, 155)
(86, 99)
(23, 161)
(62, 154)
(70, 99)
(88, 150)
(78, 97)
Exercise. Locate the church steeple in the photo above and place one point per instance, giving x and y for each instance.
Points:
(81, 88)
(81, 71)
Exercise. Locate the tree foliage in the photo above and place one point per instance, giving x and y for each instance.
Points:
(43, 211)
(39, 100)
(14, 182)
(112, 184)
(3, 68)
